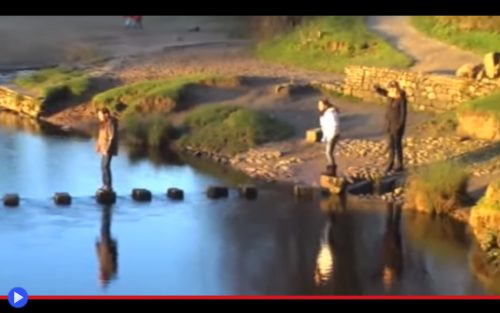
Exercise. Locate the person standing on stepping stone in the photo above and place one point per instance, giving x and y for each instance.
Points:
(107, 145)
(329, 121)
(395, 122)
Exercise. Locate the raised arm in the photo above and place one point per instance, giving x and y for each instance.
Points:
(381, 91)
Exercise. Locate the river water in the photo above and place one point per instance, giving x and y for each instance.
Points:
(274, 245)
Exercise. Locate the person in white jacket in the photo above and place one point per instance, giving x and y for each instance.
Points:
(329, 121)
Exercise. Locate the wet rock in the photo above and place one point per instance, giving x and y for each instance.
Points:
(335, 185)
(62, 198)
(141, 195)
(248, 192)
(363, 187)
(11, 199)
(216, 192)
(175, 193)
(105, 196)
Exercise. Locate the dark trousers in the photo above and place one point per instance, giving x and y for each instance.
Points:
(106, 170)
(330, 147)
(395, 145)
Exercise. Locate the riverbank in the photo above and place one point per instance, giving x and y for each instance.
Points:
(361, 149)
(292, 161)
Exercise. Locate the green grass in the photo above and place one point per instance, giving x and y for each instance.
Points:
(481, 35)
(438, 188)
(155, 95)
(439, 124)
(357, 46)
(228, 129)
(489, 204)
(55, 83)
(489, 104)
(150, 130)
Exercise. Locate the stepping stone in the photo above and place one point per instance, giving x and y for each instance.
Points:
(105, 196)
(248, 192)
(175, 193)
(216, 192)
(141, 195)
(335, 185)
(62, 198)
(11, 199)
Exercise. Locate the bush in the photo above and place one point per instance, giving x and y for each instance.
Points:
(147, 131)
(230, 129)
(438, 188)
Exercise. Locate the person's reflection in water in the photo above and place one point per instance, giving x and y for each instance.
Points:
(392, 254)
(325, 260)
(107, 249)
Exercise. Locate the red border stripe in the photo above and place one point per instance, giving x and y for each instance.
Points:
(260, 297)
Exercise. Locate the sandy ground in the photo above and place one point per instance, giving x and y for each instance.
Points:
(47, 40)
(430, 55)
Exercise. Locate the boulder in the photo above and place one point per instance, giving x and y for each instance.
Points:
(492, 64)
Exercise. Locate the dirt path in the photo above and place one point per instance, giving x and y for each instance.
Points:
(430, 55)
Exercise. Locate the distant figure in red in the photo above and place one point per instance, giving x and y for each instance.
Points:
(137, 21)
(133, 22)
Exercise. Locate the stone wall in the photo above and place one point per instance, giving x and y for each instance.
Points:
(20, 102)
(426, 92)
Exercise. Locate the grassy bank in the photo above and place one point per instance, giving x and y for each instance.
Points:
(154, 96)
(438, 188)
(55, 83)
(329, 44)
(489, 104)
(151, 130)
(230, 129)
(480, 34)
(439, 124)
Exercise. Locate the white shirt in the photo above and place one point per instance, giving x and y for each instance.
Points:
(329, 122)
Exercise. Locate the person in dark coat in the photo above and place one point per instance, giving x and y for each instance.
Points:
(395, 122)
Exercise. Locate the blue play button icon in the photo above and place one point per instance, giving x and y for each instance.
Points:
(18, 297)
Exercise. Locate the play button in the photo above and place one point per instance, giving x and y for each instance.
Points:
(18, 297)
